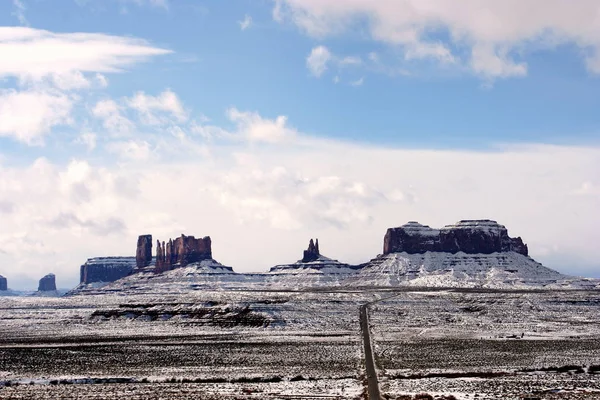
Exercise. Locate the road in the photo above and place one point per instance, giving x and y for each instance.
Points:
(372, 384)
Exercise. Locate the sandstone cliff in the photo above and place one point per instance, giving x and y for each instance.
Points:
(182, 251)
(467, 236)
(143, 253)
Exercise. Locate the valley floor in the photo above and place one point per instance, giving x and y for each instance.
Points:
(302, 344)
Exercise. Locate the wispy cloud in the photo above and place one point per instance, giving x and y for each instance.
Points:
(246, 22)
(321, 59)
(19, 12)
(358, 82)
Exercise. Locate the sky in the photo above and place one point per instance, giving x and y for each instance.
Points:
(264, 123)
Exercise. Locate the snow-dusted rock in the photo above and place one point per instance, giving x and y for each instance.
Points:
(437, 269)
(467, 236)
(313, 269)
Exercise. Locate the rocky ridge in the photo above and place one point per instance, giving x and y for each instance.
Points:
(3, 283)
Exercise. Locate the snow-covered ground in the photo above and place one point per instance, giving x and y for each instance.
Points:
(436, 269)
(459, 324)
(270, 344)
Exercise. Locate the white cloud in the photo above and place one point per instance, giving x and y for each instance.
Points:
(317, 60)
(491, 62)
(34, 54)
(101, 80)
(112, 118)
(254, 128)
(133, 150)
(152, 108)
(70, 81)
(246, 22)
(28, 116)
(320, 58)
(493, 30)
(87, 139)
(288, 201)
(50, 65)
(429, 50)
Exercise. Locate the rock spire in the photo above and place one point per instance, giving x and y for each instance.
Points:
(312, 253)
(143, 254)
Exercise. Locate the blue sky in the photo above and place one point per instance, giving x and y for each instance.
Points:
(290, 119)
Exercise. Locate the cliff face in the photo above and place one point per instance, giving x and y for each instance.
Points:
(467, 236)
(182, 251)
(47, 283)
(143, 253)
(3, 283)
(106, 269)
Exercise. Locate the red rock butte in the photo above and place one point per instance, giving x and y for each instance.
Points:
(182, 251)
(467, 236)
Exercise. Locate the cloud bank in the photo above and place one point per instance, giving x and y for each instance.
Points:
(487, 37)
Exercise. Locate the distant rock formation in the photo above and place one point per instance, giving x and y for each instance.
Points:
(3, 283)
(467, 236)
(312, 253)
(143, 253)
(47, 283)
(106, 269)
(313, 267)
(182, 251)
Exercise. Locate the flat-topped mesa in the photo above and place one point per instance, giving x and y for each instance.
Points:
(467, 236)
(106, 269)
(182, 251)
(411, 238)
(47, 283)
(3, 283)
(143, 253)
(312, 253)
